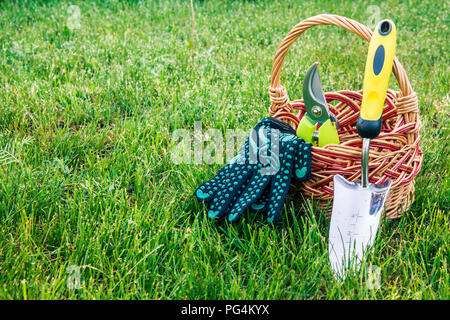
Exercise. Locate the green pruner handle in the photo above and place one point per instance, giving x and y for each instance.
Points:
(306, 129)
(327, 132)
(378, 69)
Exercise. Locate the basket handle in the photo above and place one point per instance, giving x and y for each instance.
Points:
(278, 94)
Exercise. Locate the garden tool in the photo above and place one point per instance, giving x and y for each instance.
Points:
(357, 207)
(317, 126)
(259, 176)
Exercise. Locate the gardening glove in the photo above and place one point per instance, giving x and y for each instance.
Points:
(259, 175)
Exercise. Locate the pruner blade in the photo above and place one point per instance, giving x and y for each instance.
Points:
(315, 103)
(317, 126)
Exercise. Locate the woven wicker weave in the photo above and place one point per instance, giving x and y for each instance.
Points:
(395, 154)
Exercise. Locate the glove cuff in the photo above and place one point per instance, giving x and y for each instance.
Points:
(274, 123)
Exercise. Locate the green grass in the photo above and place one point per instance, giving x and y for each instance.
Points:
(86, 177)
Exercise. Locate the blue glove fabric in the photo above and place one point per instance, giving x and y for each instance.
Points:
(259, 176)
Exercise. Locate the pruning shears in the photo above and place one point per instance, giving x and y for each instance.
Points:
(317, 126)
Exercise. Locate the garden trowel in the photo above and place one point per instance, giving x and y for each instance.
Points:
(357, 207)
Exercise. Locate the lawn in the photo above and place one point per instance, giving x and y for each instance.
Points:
(90, 94)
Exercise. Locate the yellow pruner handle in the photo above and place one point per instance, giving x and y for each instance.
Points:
(306, 128)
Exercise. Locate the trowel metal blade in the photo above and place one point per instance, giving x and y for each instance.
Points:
(354, 222)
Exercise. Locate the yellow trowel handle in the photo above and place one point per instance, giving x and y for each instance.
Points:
(376, 78)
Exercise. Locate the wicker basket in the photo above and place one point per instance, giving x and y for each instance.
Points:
(395, 154)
